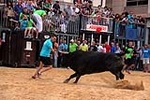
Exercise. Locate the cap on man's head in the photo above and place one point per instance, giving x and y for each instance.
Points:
(71, 40)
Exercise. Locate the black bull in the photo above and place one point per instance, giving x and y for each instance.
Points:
(92, 62)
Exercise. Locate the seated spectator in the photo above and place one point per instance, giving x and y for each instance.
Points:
(31, 28)
(25, 11)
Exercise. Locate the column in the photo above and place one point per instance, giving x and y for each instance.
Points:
(146, 35)
(100, 39)
(148, 7)
(103, 3)
(83, 36)
(108, 39)
(91, 38)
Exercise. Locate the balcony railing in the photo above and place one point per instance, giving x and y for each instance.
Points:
(97, 21)
(135, 31)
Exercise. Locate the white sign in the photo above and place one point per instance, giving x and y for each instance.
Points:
(92, 27)
(28, 46)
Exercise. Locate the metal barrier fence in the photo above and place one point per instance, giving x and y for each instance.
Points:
(1, 15)
(60, 24)
(97, 21)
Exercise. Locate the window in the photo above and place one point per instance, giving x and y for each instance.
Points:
(144, 2)
(136, 2)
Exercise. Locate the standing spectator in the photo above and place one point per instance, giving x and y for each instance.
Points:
(146, 56)
(139, 65)
(30, 6)
(56, 7)
(113, 47)
(118, 50)
(18, 9)
(61, 48)
(68, 10)
(45, 52)
(47, 5)
(93, 47)
(55, 54)
(72, 46)
(10, 11)
(24, 3)
(83, 46)
(100, 48)
(34, 3)
(107, 46)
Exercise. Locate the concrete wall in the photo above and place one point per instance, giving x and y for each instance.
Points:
(138, 10)
(118, 5)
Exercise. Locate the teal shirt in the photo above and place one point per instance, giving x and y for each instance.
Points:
(46, 48)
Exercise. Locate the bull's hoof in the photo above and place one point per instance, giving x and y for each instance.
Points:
(75, 82)
(66, 81)
(122, 76)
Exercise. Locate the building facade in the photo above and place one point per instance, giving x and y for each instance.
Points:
(138, 7)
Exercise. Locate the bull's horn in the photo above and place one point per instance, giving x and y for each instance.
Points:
(64, 52)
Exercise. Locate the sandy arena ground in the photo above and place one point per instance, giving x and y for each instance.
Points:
(16, 84)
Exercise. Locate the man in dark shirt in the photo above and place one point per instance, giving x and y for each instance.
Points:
(56, 7)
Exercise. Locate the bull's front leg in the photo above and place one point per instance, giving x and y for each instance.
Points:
(121, 75)
(72, 76)
(117, 74)
(77, 78)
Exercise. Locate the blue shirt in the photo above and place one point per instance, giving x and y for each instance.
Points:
(46, 48)
(63, 47)
(18, 9)
(23, 24)
(113, 49)
(146, 53)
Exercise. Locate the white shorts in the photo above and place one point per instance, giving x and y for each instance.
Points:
(39, 22)
(145, 60)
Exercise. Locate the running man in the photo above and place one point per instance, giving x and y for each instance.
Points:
(45, 60)
(129, 57)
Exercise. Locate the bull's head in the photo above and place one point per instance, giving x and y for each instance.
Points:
(65, 60)
(119, 63)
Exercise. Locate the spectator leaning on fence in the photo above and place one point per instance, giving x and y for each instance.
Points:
(38, 17)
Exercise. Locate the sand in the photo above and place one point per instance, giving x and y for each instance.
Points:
(16, 84)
